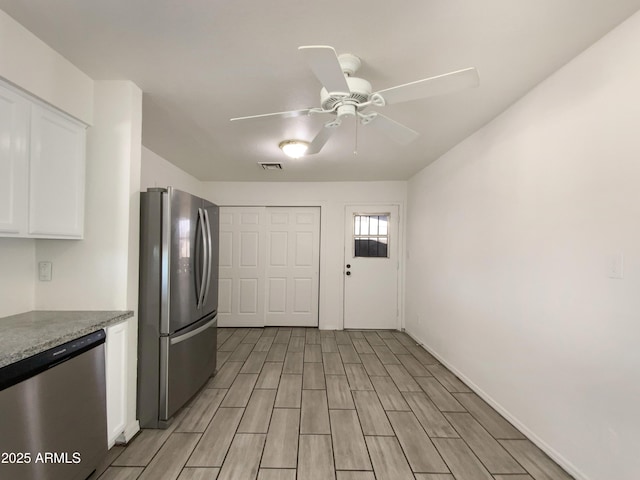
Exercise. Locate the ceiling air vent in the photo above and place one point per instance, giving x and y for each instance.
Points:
(270, 165)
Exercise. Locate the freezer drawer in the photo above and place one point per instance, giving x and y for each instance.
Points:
(187, 360)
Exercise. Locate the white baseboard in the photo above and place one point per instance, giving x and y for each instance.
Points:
(234, 324)
(229, 323)
(530, 434)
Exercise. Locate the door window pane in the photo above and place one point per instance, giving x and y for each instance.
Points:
(373, 225)
(364, 225)
(370, 247)
(371, 237)
(383, 225)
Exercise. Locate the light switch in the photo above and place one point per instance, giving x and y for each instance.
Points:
(44, 271)
(615, 266)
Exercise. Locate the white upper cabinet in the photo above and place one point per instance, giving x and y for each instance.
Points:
(14, 114)
(42, 169)
(56, 187)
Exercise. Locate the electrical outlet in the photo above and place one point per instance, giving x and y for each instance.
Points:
(44, 271)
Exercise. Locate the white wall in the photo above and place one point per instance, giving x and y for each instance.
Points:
(100, 272)
(29, 63)
(332, 197)
(133, 96)
(158, 172)
(17, 275)
(91, 274)
(509, 237)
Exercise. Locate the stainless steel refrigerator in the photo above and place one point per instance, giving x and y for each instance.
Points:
(177, 331)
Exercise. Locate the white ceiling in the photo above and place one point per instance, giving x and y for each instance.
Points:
(201, 62)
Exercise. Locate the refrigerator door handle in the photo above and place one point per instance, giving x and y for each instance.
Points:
(165, 266)
(193, 333)
(205, 258)
(207, 277)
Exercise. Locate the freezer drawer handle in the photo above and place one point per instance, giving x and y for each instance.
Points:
(195, 332)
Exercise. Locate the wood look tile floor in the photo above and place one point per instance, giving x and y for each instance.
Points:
(303, 403)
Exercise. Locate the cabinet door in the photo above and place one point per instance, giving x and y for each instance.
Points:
(116, 375)
(56, 176)
(14, 112)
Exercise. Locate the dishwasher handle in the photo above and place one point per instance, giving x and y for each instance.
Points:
(23, 369)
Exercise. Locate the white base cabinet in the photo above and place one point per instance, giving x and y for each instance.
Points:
(42, 169)
(116, 375)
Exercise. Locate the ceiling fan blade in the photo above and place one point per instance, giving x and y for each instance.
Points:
(289, 114)
(394, 130)
(324, 62)
(320, 139)
(429, 87)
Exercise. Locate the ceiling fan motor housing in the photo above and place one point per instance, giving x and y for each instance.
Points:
(360, 91)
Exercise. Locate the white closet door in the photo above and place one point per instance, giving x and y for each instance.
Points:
(292, 266)
(241, 277)
(269, 266)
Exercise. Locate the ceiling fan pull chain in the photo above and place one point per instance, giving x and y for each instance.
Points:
(355, 147)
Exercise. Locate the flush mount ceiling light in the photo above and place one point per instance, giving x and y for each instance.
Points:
(294, 148)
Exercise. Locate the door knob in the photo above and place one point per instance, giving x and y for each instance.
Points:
(348, 273)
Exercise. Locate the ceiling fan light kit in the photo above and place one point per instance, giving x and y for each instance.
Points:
(344, 95)
(294, 148)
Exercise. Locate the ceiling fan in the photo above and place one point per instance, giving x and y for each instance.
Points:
(344, 95)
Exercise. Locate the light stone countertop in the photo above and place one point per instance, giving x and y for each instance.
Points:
(27, 334)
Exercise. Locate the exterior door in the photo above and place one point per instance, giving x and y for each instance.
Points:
(371, 267)
(269, 266)
(292, 266)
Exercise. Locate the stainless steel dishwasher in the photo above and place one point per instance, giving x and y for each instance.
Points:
(53, 412)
